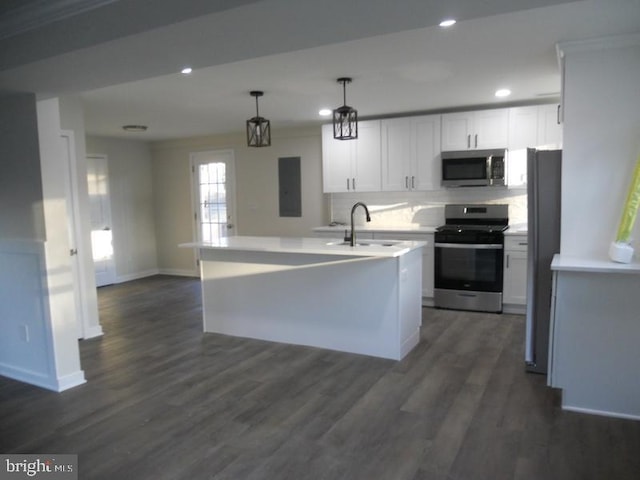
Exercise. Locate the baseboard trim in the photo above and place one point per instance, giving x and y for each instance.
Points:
(602, 413)
(69, 381)
(43, 381)
(93, 332)
(137, 276)
(179, 272)
(514, 309)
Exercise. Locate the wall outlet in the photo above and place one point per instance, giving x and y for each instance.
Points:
(24, 332)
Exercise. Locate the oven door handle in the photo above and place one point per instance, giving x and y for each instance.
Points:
(470, 246)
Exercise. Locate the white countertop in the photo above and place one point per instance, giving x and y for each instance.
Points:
(595, 265)
(517, 229)
(314, 246)
(339, 229)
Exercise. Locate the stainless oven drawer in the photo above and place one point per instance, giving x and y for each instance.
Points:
(468, 300)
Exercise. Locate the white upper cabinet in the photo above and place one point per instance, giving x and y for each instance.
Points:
(352, 165)
(523, 127)
(534, 127)
(475, 130)
(530, 127)
(411, 153)
(549, 127)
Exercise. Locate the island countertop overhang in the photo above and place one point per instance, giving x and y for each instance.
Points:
(312, 246)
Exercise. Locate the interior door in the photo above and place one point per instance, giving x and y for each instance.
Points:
(100, 207)
(213, 194)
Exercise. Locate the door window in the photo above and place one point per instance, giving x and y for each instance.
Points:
(213, 194)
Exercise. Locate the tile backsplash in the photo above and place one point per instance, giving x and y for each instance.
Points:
(423, 208)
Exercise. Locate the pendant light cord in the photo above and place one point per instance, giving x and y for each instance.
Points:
(344, 92)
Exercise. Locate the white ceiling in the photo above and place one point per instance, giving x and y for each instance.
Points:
(294, 50)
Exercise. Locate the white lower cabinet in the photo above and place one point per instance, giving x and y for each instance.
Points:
(514, 293)
(427, 258)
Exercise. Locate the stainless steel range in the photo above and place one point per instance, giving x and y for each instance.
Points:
(469, 257)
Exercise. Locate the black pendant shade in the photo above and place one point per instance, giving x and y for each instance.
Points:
(345, 118)
(258, 128)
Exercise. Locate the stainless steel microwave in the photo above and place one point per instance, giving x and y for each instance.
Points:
(474, 168)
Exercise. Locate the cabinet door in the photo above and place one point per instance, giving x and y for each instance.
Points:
(336, 162)
(456, 131)
(396, 154)
(428, 267)
(427, 256)
(523, 128)
(515, 278)
(366, 157)
(471, 130)
(515, 270)
(426, 166)
(549, 127)
(491, 129)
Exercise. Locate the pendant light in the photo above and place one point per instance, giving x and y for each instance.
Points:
(258, 128)
(345, 118)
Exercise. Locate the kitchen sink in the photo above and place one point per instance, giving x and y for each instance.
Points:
(367, 243)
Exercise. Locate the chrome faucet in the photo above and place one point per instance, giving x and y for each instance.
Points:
(352, 239)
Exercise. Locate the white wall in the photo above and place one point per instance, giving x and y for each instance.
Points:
(37, 305)
(601, 141)
(21, 215)
(132, 210)
(24, 345)
(424, 208)
(256, 190)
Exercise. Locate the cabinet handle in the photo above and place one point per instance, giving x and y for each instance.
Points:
(348, 184)
(507, 260)
(469, 141)
(558, 115)
(406, 182)
(523, 243)
(353, 182)
(413, 181)
(476, 140)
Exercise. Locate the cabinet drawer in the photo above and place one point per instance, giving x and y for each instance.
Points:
(515, 243)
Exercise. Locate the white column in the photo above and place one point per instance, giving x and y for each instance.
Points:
(60, 321)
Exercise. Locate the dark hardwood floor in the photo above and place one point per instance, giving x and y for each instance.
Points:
(165, 401)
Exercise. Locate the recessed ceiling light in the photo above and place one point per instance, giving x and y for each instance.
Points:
(503, 92)
(186, 70)
(447, 23)
(325, 112)
(134, 128)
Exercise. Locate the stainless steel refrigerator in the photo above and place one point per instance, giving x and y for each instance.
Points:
(544, 168)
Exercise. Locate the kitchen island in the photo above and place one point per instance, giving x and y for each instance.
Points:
(318, 292)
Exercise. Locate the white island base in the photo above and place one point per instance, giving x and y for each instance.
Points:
(350, 299)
